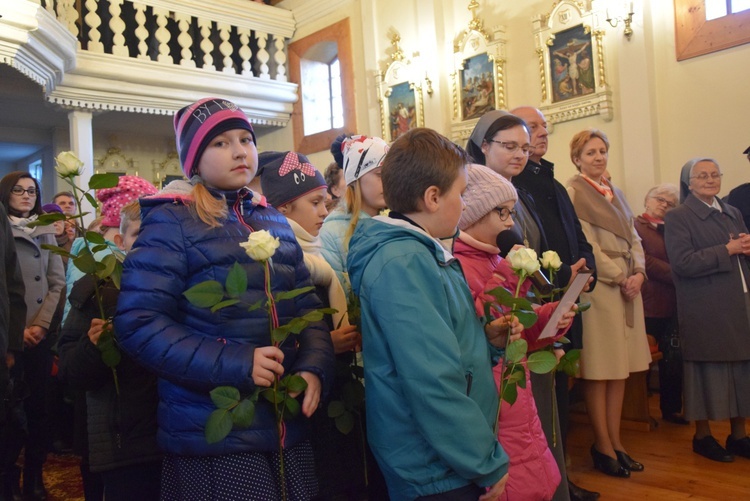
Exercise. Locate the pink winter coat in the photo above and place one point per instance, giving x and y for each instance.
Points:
(533, 473)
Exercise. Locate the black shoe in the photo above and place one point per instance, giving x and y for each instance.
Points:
(609, 465)
(739, 446)
(627, 462)
(675, 419)
(708, 447)
(581, 494)
(33, 485)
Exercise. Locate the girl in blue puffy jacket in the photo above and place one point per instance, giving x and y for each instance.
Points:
(191, 233)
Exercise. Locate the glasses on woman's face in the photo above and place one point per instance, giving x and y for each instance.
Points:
(704, 176)
(512, 146)
(19, 191)
(505, 213)
(666, 202)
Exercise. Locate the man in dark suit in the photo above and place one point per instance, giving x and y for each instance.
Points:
(565, 236)
(740, 196)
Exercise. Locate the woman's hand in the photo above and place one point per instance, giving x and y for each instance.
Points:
(33, 335)
(497, 330)
(266, 365)
(312, 393)
(345, 339)
(631, 286)
(739, 245)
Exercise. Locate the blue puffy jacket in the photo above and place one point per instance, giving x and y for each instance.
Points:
(193, 350)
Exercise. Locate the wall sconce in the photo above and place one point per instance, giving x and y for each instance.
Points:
(627, 19)
(428, 85)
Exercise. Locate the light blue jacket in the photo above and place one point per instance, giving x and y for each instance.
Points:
(431, 397)
(332, 236)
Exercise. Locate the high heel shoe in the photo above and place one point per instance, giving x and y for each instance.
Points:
(627, 462)
(608, 465)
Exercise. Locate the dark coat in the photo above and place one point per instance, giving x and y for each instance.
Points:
(121, 428)
(194, 350)
(710, 300)
(12, 292)
(740, 199)
(659, 297)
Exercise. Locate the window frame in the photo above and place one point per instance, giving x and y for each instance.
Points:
(694, 36)
(340, 33)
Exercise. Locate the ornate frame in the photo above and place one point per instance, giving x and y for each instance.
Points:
(167, 170)
(115, 162)
(566, 20)
(475, 44)
(400, 81)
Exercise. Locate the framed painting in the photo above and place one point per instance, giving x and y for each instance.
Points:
(571, 63)
(400, 97)
(478, 76)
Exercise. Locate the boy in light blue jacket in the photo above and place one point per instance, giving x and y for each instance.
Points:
(431, 398)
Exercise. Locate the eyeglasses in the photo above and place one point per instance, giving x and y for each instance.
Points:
(704, 176)
(512, 146)
(17, 190)
(666, 202)
(505, 213)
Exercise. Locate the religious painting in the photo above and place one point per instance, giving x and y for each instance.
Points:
(402, 106)
(477, 86)
(571, 64)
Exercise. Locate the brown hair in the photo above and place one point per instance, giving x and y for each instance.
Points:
(6, 185)
(580, 140)
(418, 159)
(129, 213)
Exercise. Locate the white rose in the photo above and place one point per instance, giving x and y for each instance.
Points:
(523, 260)
(68, 164)
(260, 245)
(550, 260)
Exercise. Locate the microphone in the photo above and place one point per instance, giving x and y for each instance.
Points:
(505, 241)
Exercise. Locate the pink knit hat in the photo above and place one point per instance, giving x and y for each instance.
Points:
(485, 191)
(112, 200)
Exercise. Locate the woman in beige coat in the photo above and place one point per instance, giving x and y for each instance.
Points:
(614, 333)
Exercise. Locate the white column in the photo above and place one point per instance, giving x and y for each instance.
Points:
(82, 144)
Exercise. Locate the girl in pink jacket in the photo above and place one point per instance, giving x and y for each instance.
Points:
(489, 200)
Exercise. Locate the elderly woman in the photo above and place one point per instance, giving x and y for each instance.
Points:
(659, 299)
(614, 333)
(708, 246)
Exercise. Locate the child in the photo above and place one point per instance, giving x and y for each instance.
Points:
(431, 399)
(298, 190)
(489, 200)
(191, 233)
(121, 434)
(362, 158)
(111, 201)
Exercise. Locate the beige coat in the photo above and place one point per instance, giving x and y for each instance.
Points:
(614, 331)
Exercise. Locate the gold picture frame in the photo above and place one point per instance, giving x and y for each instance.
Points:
(399, 95)
(478, 77)
(571, 63)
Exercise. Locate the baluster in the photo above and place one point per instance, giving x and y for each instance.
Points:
(49, 6)
(279, 57)
(117, 25)
(67, 15)
(184, 39)
(263, 55)
(225, 48)
(141, 32)
(162, 35)
(206, 45)
(93, 21)
(245, 52)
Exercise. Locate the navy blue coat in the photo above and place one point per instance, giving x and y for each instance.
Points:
(193, 350)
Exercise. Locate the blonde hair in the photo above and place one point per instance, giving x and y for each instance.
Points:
(131, 212)
(353, 206)
(96, 225)
(207, 208)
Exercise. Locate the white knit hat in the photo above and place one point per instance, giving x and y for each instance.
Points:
(485, 191)
(361, 155)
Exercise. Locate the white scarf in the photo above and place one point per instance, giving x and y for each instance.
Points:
(321, 273)
(22, 223)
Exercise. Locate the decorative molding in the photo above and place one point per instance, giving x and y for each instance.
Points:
(306, 12)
